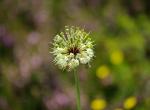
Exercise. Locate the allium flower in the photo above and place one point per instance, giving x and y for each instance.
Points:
(72, 47)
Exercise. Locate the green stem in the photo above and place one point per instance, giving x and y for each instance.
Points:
(77, 90)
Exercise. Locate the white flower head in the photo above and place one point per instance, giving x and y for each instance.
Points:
(72, 47)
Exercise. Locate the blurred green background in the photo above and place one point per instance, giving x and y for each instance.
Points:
(119, 77)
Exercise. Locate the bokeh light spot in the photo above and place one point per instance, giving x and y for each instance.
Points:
(130, 102)
(98, 104)
(102, 72)
(116, 57)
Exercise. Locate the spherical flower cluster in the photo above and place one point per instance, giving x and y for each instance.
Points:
(72, 47)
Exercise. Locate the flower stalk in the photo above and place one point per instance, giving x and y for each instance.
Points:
(77, 85)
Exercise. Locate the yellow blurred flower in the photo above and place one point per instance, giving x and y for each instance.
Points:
(116, 57)
(102, 72)
(98, 104)
(118, 109)
(130, 102)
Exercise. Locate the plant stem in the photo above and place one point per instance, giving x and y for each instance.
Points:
(77, 84)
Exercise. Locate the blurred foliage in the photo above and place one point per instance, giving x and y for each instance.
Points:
(119, 77)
